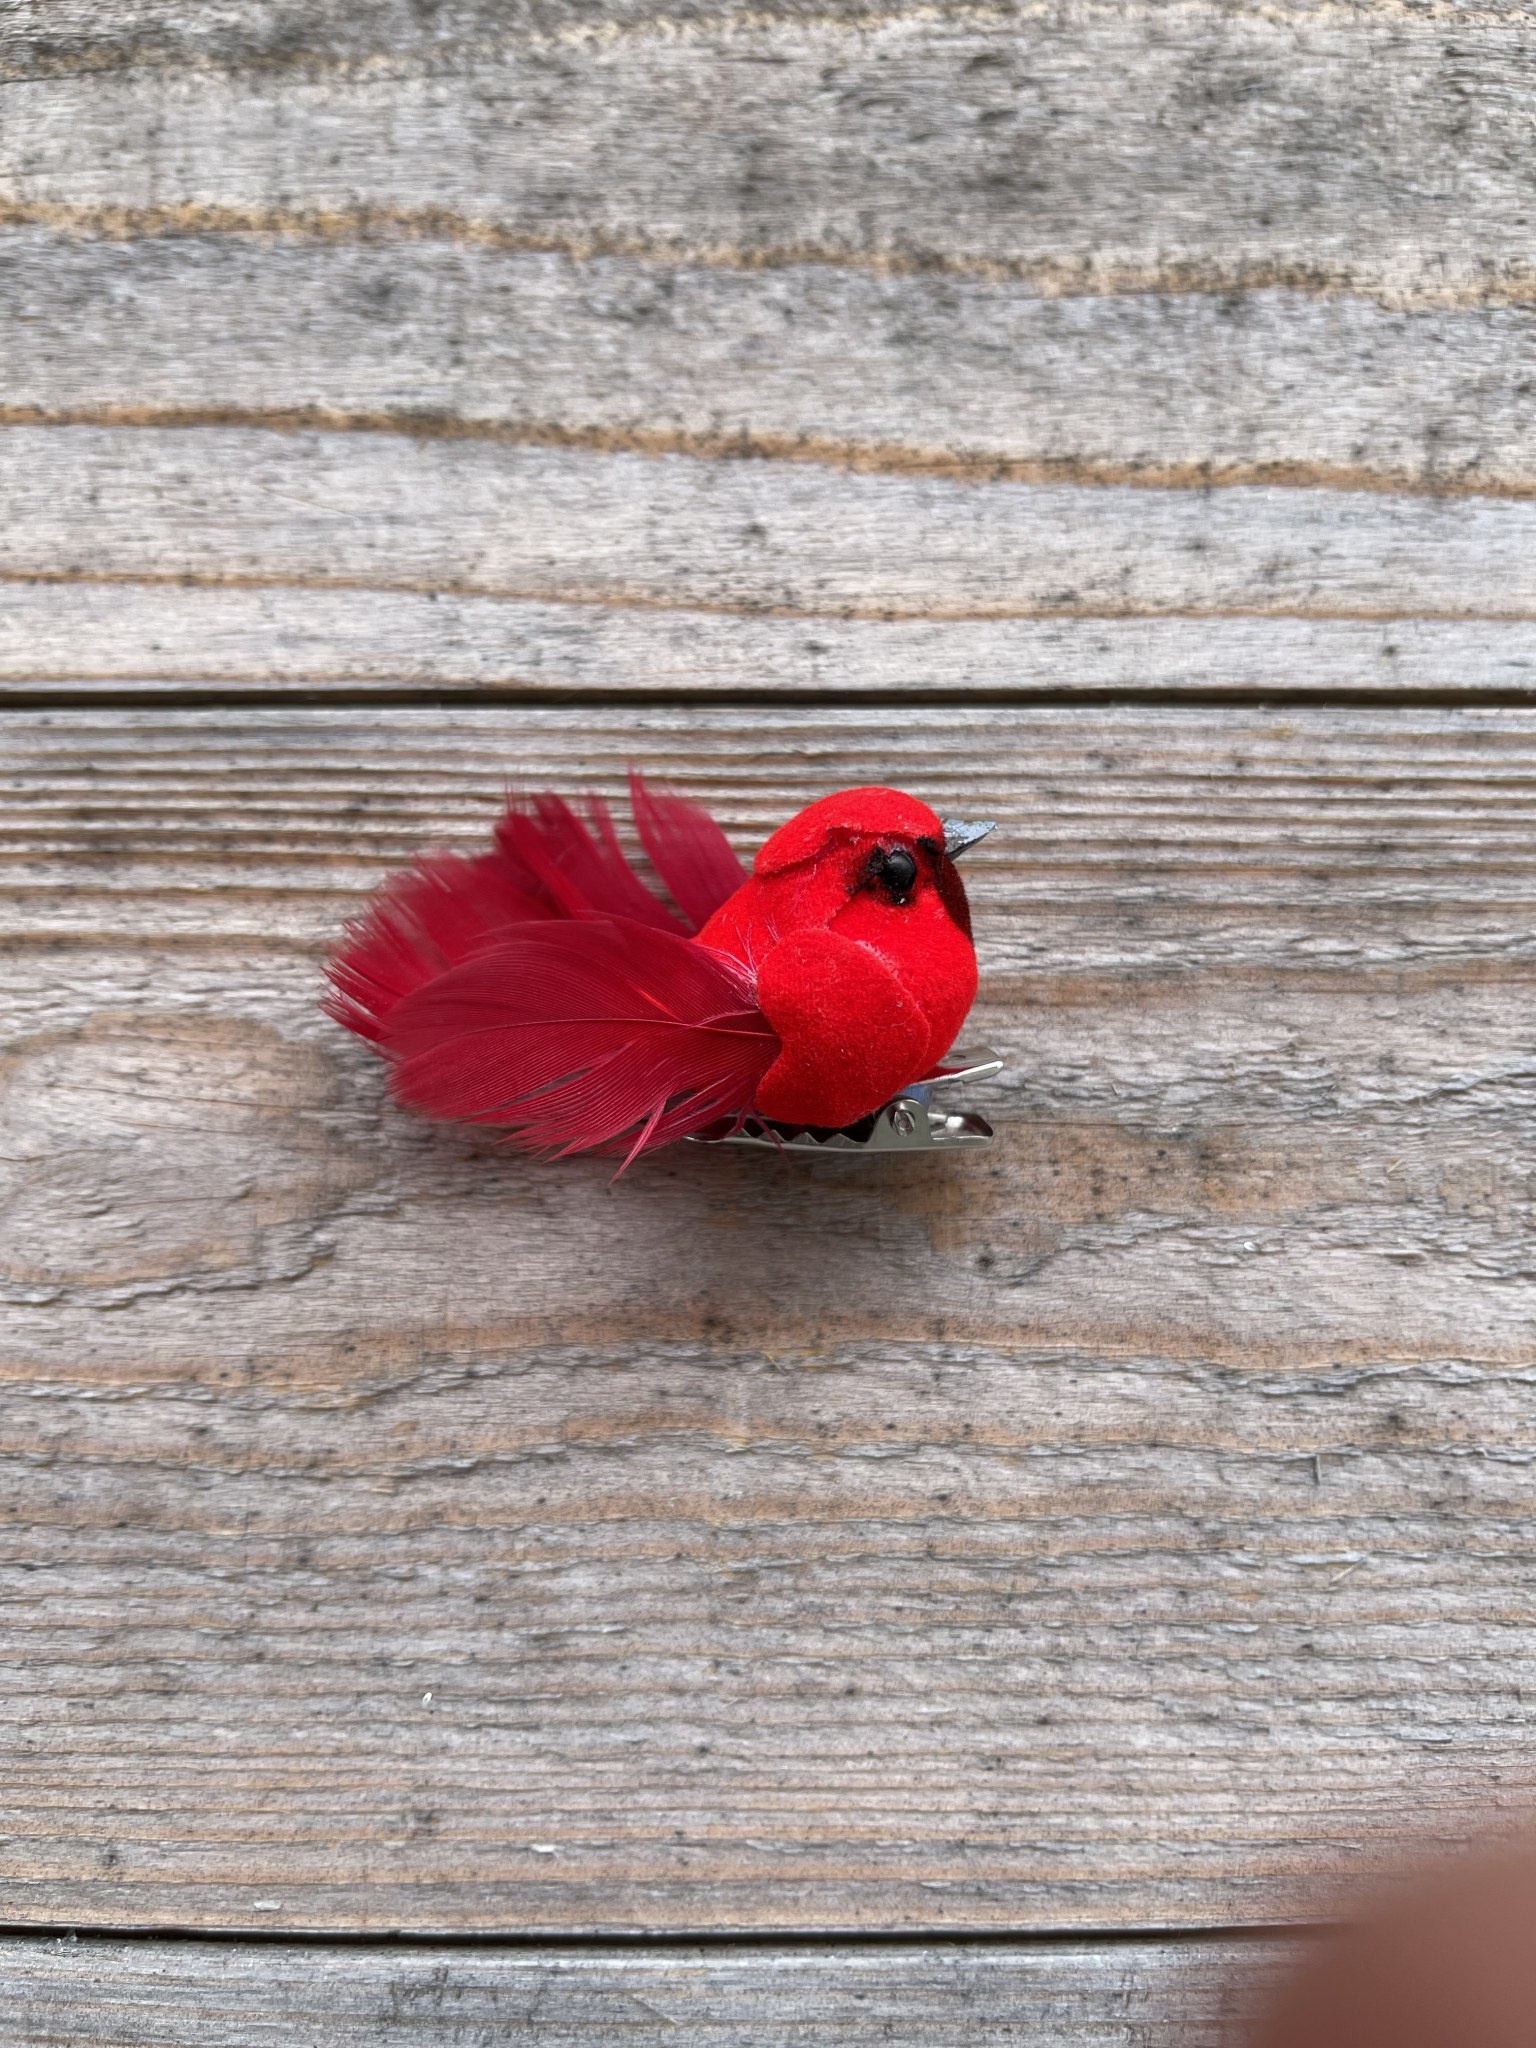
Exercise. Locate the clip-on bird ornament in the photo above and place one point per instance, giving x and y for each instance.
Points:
(810, 1006)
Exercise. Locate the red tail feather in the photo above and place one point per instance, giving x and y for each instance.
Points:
(423, 922)
(593, 1034)
(687, 849)
(550, 850)
(549, 862)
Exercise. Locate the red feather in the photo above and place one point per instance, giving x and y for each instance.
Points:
(687, 849)
(422, 923)
(549, 862)
(594, 1034)
(577, 866)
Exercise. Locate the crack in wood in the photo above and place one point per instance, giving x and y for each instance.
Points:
(1053, 276)
(746, 445)
(642, 602)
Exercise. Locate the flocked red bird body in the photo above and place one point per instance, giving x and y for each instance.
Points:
(544, 989)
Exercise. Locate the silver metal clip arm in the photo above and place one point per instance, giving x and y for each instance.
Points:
(907, 1123)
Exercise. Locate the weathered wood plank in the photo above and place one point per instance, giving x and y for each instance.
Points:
(843, 365)
(38, 37)
(1129, 1528)
(1134, 1994)
(1202, 146)
(88, 638)
(1364, 820)
(380, 511)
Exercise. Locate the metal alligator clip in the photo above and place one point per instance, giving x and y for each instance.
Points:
(907, 1123)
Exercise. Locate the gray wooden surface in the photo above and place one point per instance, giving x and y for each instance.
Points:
(1149, 1994)
(1127, 1531)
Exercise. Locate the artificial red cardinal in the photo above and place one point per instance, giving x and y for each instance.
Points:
(544, 989)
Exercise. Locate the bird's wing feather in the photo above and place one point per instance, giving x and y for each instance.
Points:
(687, 849)
(853, 1032)
(597, 1034)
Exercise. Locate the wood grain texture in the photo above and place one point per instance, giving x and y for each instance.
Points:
(1199, 145)
(84, 639)
(842, 365)
(42, 36)
(1146, 1994)
(1129, 1528)
(385, 512)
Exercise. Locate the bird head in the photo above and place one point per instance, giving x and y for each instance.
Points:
(889, 858)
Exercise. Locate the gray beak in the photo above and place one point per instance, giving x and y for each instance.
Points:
(958, 836)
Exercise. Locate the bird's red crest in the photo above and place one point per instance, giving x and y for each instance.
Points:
(851, 813)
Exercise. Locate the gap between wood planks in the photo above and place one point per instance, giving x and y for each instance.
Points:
(864, 1939)
(492, 697)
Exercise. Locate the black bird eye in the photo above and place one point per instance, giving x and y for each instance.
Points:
(897, 870)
